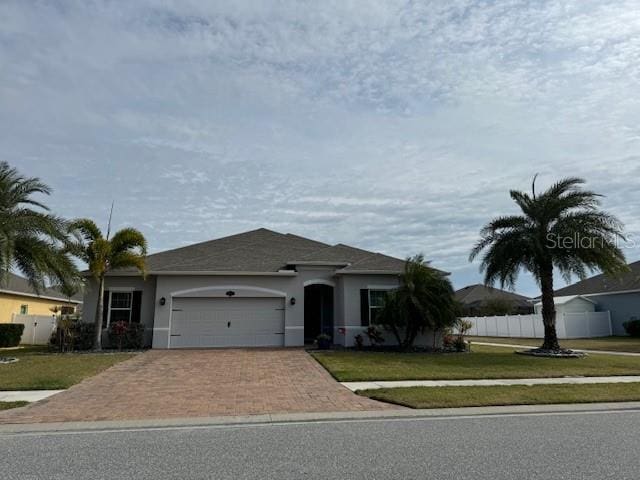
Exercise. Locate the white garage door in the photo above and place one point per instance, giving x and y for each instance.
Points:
(227, 322)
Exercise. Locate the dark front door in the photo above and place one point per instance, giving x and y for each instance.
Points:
(318, 311)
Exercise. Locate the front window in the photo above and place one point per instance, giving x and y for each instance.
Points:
(376, 300)
(120, 307)
(24, 309)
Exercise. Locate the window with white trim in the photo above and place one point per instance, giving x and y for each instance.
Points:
(120, 307)
(376, 301)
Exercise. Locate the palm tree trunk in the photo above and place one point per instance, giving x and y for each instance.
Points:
(548, 310)
(97, 341)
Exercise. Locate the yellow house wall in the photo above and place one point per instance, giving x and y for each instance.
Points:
(10, 304)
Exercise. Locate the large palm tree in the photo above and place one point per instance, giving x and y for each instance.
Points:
(561, 228)
(31, 238)
(126, 249)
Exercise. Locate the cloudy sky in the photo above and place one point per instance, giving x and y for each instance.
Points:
(397, 126)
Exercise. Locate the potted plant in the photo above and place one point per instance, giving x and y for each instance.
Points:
(324, 341)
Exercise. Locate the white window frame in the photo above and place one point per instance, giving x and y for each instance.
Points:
(111, 292)
(375, 289)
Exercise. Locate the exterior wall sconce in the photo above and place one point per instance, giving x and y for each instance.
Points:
(292, 301)
(163, 301)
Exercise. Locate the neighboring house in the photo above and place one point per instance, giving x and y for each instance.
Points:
(259, 288)
(17, 297)
(476, 300)
(620, 296)
(570, 304)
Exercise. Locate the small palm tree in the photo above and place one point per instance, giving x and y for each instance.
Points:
(424, 300)
(126, 249)
(31, 239)
(561, 228)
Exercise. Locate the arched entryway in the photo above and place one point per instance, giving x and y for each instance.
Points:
(318, 311)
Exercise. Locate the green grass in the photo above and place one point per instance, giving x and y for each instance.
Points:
(442, 397)
(39, 370)
(483, 362)
(614, 344)
(8, 405)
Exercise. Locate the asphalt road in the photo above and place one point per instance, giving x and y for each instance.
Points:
(568, 446)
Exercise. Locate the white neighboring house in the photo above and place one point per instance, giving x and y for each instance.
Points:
(570, 304)
(618, 295)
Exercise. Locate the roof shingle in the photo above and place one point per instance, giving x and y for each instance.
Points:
(17, 284)
(605, 284)
(264, 250)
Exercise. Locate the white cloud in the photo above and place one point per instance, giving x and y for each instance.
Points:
(395, 125)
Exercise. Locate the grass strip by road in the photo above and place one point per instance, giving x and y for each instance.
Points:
(612, 344)
(443, 397)
(8, 405)
(483, 362)
(36, 370)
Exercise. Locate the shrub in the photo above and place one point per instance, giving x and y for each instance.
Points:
(359, 341)
(448, 340)
(129, 336)
(324, 341)
(459, 344)
(72, 334)
(10, 334)
(374, 335)
(632, 327)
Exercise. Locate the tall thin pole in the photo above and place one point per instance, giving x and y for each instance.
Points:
(110, 216)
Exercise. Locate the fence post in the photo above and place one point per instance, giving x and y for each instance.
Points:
(520, 324)
(588, 322)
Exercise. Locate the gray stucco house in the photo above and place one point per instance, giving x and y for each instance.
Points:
(259, 288)
(620, 296)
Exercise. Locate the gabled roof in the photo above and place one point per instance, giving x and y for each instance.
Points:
(566, 299)
(478, 294)
(266, 251)
(604, 284)
(18, 285)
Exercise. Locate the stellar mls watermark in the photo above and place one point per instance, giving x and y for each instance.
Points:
(580, 241)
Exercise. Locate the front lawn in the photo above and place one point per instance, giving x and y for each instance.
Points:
(483, 362)
(613, 344)
(37, 370)
(8, 405)
(443, 397)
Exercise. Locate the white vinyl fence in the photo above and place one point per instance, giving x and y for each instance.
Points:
(37, 328)
(568, 325)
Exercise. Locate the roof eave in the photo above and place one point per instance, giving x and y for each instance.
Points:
(319, 262)
(368, 272)
(43, 297)
(279, 273)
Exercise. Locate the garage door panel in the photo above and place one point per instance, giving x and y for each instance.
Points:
(227, 322)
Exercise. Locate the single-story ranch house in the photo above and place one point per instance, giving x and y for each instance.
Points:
(474, 299)
(620, 296)
(259, 288)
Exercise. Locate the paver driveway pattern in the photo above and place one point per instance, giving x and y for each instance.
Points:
(199, 383)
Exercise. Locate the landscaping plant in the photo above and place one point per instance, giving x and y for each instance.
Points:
(424, 300)
(632, 327)
(374, 335)
(10, 334)
(127, 249)
(561, 228)
(32, 239)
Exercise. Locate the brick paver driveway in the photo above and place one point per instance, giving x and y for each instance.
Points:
(199, 383)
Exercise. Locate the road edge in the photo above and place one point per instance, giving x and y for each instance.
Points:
(283, 418)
